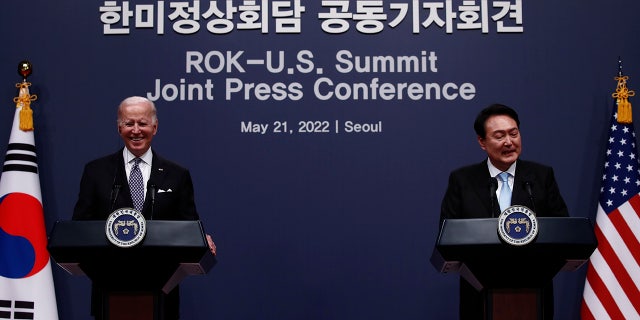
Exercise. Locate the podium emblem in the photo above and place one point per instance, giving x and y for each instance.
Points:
(517, 225)
(125, 227)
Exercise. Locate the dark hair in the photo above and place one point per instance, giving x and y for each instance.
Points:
(493, 110)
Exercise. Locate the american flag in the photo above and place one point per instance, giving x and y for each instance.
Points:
(612, 286)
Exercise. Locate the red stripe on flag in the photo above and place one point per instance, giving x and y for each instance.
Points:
(635, 203)
(585, 313)
(625, 231)
(618, 269)
(603, 294)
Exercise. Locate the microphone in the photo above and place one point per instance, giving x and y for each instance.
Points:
(493, 186)
(152, 188)
(114, 195)
(115, 189)
(527, 187)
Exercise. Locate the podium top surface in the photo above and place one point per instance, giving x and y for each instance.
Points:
(160, 233)
(552, 230)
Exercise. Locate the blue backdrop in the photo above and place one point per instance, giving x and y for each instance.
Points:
(319, 225)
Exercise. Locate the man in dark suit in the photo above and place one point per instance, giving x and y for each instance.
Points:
(168, 187)
(469, 193)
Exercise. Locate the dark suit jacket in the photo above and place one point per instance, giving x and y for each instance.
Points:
(104, 189)
(469, 195)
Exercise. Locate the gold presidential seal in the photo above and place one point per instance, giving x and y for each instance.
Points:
(517, 225)
(125, 227)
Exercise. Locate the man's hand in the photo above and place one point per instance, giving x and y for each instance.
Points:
(212, 245)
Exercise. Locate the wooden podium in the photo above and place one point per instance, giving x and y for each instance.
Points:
(132, 280)
(511, 277)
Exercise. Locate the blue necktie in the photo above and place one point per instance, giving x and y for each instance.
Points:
(136, 185)
(505, 192)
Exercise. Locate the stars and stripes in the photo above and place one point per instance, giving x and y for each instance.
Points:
(612, 287)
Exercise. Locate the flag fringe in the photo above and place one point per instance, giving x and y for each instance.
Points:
(24, 100)
(622, 95)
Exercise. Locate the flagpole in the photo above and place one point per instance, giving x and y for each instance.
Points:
(619, 66)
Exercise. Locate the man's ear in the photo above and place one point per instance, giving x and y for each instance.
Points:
(481, 142)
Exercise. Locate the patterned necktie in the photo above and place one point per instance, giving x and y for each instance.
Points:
(136, 185)
(505, 193)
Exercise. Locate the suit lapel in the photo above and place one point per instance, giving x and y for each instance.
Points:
(157, 171)
(124, 196)
(523, 175)
(156, 179)
(482, 186)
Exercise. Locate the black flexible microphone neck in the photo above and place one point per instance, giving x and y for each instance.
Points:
(493, 186)
(115, 190)
(152, 188)
(527, 187)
